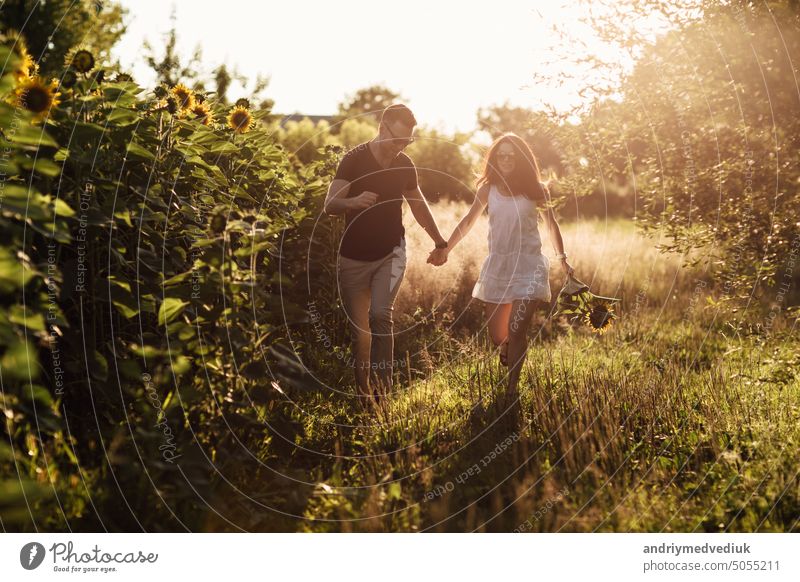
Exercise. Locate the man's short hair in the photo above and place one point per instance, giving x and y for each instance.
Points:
(398, 112)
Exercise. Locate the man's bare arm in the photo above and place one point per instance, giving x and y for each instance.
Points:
(337, 202)
(422, 214)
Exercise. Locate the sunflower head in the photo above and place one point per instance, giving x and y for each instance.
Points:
(600, 317)
(82, 60)
(25, 66)
(123, 78)
(218, 222)
(36, 96)
(242, 103)
(240, 119)
(172, 105)
(183, 96)
(202, 113)
(69, 78)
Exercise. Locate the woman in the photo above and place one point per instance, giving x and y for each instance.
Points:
(514, 278)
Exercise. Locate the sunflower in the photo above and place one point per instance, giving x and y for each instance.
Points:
(202, 113)
(37, 96)
(69, 78)
(82, 60)
(123, 78)
(242, 103)
(183, 95)
(240, 119)
(579, 304)
(600, 317)
(26, 66)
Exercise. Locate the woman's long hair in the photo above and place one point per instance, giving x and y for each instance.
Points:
(525, 179)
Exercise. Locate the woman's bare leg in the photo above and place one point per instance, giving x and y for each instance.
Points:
(519, 320)
(497, 315)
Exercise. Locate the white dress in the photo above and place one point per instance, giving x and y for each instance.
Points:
(515, 267)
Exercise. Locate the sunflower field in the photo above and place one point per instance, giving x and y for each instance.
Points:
(138, 238)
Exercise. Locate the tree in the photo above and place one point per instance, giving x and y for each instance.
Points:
(444, 165)
(52, 28)
(302, 138)
(355, 131)
(703, 128)
(367, 103)
(169, 69)
(223, 78)
(535, 128)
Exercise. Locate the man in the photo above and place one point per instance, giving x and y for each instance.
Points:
(369, 187)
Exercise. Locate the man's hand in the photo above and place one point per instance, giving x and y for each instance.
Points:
(567, 267)
(363, 200)
(438, 257)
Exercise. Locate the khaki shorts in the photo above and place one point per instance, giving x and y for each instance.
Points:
(368, 290)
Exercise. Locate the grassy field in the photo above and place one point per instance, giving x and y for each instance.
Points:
(677, 419)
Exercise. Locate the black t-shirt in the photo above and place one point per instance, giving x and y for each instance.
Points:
(372, 233)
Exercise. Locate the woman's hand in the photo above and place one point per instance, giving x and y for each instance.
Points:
(438, 257)
(567, 267)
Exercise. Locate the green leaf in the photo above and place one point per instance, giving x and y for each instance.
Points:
(6, 452)
(395, 491)
(177, 279)
(62, 208)
(41, 165)
(8, 167)
(137, 151)
(122, 117)
(181, 365)
(13, 273)
(125, 310)
(16, 497)
(20, 362)
(32, 135)
(39, 394)
(124, 216)
(26, 317)
(17, 191)
(99, 367)
(170, 309)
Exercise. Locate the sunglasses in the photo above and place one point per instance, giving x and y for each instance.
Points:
(509, 157)
(404, 141)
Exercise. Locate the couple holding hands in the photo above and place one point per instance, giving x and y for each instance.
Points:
(369, 187)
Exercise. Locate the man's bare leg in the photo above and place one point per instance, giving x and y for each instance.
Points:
(354, 290)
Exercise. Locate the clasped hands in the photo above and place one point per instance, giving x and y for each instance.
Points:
(438, 257)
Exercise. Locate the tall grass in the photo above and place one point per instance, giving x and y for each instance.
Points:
(670, 421)
(611, 256)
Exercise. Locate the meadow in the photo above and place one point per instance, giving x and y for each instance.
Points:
(676, 419)
(173, 355)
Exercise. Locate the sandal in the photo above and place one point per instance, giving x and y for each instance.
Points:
(504, 353)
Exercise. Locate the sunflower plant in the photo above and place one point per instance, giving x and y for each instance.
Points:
(140, 234)
(581, 306)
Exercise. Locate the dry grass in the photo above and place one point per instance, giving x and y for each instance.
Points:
(612, 257)
(667, 422)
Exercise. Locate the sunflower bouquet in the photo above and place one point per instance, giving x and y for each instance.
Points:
(580, 305)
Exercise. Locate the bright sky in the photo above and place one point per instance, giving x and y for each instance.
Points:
(446, 58)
